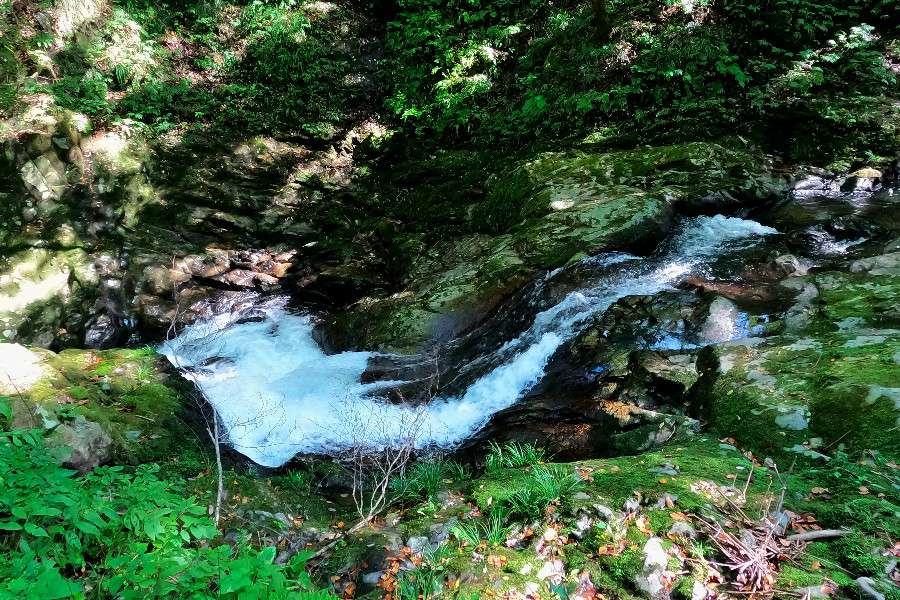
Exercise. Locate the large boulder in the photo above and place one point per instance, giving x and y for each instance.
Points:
(542, 214)
(82, 444)
(831, 379)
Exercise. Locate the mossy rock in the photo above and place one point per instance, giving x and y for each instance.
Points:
(834, 390)
(45, 295)
(130, 394)
(542, 213)
(558, 181)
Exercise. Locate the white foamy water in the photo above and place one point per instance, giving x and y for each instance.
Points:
(279, 394)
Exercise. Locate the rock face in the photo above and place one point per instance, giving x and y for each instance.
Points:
(92, 248)
(540, 215)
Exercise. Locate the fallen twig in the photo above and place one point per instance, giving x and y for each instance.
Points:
(820, 534)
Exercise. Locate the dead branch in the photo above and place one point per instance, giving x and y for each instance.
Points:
(821, 534)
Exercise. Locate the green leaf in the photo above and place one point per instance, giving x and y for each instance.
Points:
(35, 530)
(88, 528)
(50, 585)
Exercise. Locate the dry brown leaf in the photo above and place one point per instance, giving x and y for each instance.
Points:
(497, 561)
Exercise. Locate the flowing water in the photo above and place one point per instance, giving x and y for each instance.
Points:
(279, 394)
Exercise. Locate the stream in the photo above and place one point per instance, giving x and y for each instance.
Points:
(279, 394)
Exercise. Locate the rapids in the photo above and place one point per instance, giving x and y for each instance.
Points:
(279, 394)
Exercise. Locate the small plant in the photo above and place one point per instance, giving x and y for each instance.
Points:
(512, 455)
(426, 478)
(423, 479)
(457, 471)
(424, 581)
(493, 529)
(468, 533)
(43, 41)
(543, 486)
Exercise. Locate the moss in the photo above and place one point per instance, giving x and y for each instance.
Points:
(684, 589)
(127, 392)
(860, 555)
(622, 570)
(660, 521)
(791, 577)
(775, 397)
(872, 299)
(619, 479)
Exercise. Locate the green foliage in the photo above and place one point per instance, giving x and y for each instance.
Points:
(544, 485)
(492, 529)
(512, 455)
(424, 581)
(117, 534)
(532, 70)
(85, 94)
(859, 555)
(425, 478)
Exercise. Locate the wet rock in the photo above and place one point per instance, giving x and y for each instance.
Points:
(816, 182)
(723, 323)
(788, 264)
(863, 180)
(105, 331)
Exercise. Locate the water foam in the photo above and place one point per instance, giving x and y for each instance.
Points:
(279, 394)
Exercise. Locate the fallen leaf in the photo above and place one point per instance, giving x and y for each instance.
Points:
(497, 561)
(643, 524)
